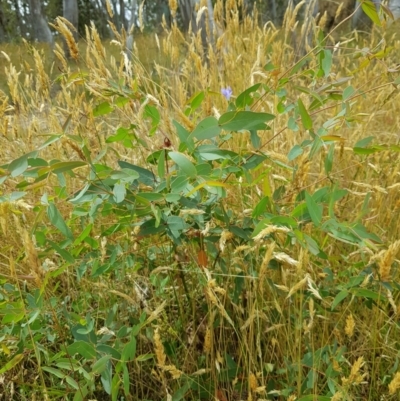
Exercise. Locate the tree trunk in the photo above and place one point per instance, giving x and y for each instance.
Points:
(101, 26)
(70, 12)
(133, 23)
(3, 25)
(40, 29)
(116, 15)
(122, 14)
(311, 10)
(21, 24)
(186, 8)
(210, 10)
(394, 6)
(274, 14)
(189, 17)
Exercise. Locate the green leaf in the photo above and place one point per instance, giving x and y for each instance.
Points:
(82, 348)
(362, 143)
(176, 223)
(362, 232)
(316, 146)
(348, 92)
(108, 350)
(100, 365)
(55, 372)
(63, 253)
(126, 380)
(122, 133)
(364, 151)
(144, 357)
(13, 316)
(196, 100)
(18, 166)
(314, 209)
(327, 62)
(305, 117)
(312, 245)
(80, 194)
(52, 139)
(125, 175)
(366, 293)
(150, 196)
(370, 9)
(261, 207)
(129, 351)
(339, 298)
(81, 394)
(12, 363)
(206, 129)
(146, 177)
(119, 192)
(245, 98)
(106, 379)
(255, 139)
(183, 133)
(311, 397)
(121, 101)
(296, 151)
(292, 124)
(152, 113)
(244, 120)
(57, 220)
(179, 184)
(329, 159)
(15, 196)
(60, 167)
(150, 228)
(180, 393)
(185, 165)
(72, 382)
(102, 109)
(284, 221)
(161, 164)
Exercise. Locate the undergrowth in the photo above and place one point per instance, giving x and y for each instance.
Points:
(219, 225)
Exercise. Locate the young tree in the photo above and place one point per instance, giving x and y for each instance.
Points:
(40, 28)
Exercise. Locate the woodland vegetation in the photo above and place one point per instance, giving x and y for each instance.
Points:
(210, 216)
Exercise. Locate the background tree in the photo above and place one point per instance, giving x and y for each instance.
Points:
(394, 6)
(3, 25)
(40, 28)
(28, 18)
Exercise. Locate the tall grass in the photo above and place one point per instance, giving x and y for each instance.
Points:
(261, 319)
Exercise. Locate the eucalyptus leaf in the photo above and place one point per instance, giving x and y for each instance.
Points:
(244, 120)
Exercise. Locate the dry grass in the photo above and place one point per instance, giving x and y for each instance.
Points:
(272, 325)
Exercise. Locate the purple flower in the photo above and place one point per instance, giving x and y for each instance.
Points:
(227, 93)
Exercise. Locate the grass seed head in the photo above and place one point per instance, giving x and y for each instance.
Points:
(159, 349)
(394, 385)
(387, 260)
(350, 326)
(109, 9)
(63, 26)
